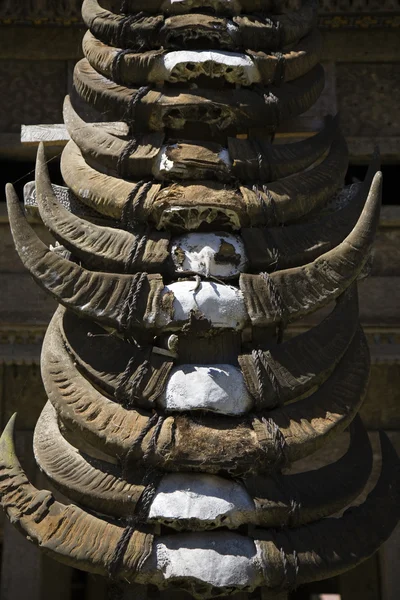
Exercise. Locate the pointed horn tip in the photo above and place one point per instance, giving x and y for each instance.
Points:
(7, 445)
(11, 196)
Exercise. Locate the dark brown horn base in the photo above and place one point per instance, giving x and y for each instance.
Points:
(177, 404)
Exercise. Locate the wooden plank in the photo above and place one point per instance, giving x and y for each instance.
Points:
(57, 134)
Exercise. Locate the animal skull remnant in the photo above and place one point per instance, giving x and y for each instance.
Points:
(175, 399)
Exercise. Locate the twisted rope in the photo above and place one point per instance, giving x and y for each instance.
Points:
(262, 366)
(130, 304)
(127, 152)
(277, 304)
(128, 218)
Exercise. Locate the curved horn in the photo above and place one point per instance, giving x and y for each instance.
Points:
(293, 500)
(99, 147)
(103, 149)
(65, 533)
(278, 375)
(180, 205)
(299, 194)
(287, 295)
(277, 248)
(97, 247)
(317, 551)
(160, 65)
(330, 547)
(281, 500)
(206, 443)
(242, 108)
(279, 160)
(104, 297)
(287, 371)
(90, 482)
(151, 32)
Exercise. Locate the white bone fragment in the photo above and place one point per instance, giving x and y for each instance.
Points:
(209, 254)
(184, 65)
(222, 305)
(216, 388)
(218, 559)
(200, 501)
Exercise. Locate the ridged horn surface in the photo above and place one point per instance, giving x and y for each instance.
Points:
(249, 160)
(299, 194)
(286, 295)
(330, 547)
(190, 29)
(283, 372)
(288, 371)
(185, 65)
(293, 500)
(65, 533)
(88, 481)
(317, 551)
(101, 148)
(211, 444)
(104, 297)
(280, 201)
(259, 160)
(281, 500)
(97, 247)
(277, 248)
(241, 108)
(131, 374)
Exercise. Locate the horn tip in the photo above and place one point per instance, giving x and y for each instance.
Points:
(7, 446)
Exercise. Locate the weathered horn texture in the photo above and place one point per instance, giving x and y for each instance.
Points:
(110, 153)
(221, 7)
(317, 551)
(277, 248)
(290, 500)
(177, 206)
(284, 296)
(92, 483)
(131, 374)
(153, 110)
(97, 247)
(293, 500)
(187, 205)
(246, 160)
(108, 195)
(273, 376)
(119, 301)
(159, 66)
(330, 547)
(65, 533)
(298, 195)
(258, 160)
(190, 30)
(287, 371)
(250, 445)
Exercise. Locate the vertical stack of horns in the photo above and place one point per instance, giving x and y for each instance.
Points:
(176, 403)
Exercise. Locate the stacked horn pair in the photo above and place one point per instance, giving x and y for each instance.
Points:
(177, 402)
